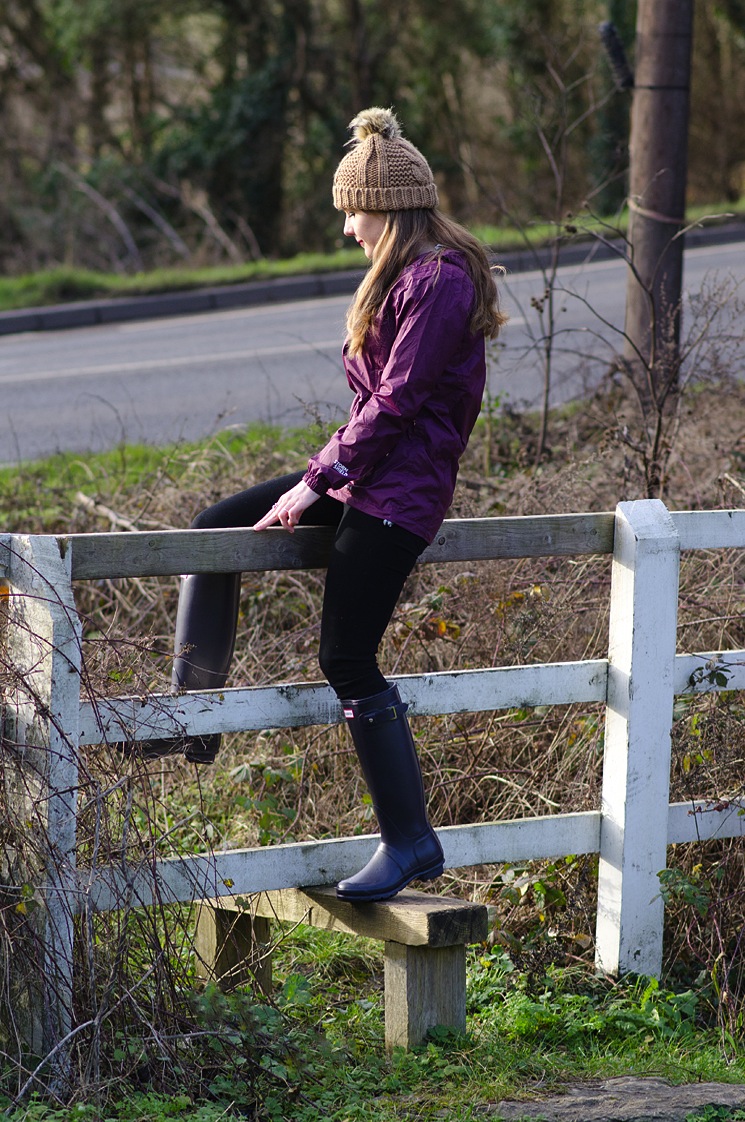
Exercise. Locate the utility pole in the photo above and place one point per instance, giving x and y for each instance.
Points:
(657, 188)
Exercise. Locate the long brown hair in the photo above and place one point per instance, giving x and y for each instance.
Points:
(406, 235)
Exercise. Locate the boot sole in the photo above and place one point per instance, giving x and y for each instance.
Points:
(431, 873)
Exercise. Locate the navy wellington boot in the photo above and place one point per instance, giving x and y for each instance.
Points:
(204, 641)
(409, 848)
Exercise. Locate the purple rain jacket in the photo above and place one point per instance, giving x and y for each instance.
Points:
(418, 386)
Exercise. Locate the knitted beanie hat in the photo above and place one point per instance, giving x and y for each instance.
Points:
(383, 171)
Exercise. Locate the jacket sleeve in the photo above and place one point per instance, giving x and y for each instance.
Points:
(431, 318)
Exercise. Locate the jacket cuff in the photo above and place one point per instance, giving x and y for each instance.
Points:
(316, 480)
(321, 477)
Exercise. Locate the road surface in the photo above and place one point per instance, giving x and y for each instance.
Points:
(158, 381)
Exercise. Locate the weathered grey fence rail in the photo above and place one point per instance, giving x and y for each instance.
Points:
(45, 721)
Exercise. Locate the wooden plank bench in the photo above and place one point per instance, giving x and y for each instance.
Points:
(425, 941)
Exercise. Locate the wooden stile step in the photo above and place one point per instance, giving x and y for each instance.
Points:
(425, 939)
(416, 919)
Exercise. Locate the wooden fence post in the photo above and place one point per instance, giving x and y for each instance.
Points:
(636, 769)
(41, 706)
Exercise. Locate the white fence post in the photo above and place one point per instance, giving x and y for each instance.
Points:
(41, 704)
(636, 770)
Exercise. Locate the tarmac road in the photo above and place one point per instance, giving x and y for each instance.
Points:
(183, 377)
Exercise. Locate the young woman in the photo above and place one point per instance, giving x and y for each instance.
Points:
(415, 358)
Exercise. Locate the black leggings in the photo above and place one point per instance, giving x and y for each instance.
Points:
(369, 563)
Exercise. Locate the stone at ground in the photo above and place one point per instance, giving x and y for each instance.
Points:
(625, 1099)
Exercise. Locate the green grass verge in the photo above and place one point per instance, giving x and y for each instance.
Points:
(61, 285)
(583, 225)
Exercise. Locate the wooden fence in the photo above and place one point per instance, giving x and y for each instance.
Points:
(45, 721)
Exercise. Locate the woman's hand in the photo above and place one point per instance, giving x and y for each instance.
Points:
(288, 509)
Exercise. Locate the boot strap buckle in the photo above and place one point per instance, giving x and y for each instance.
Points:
(382, 716)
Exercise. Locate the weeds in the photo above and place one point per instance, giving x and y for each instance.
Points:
(716, 1114)
(332, 1067)
(534, 1004)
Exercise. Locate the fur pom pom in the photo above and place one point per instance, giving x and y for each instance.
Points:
(375, 121)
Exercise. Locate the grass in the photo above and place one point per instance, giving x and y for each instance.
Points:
(64, 284)
(585, 225)
(525, 1039)
(525, 1036)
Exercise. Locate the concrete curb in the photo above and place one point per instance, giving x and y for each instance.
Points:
(88, 313)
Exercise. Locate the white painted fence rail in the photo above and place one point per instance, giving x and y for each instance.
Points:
(45, 721)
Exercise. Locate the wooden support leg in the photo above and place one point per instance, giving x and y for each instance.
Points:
(424, 987)
(233, 947)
